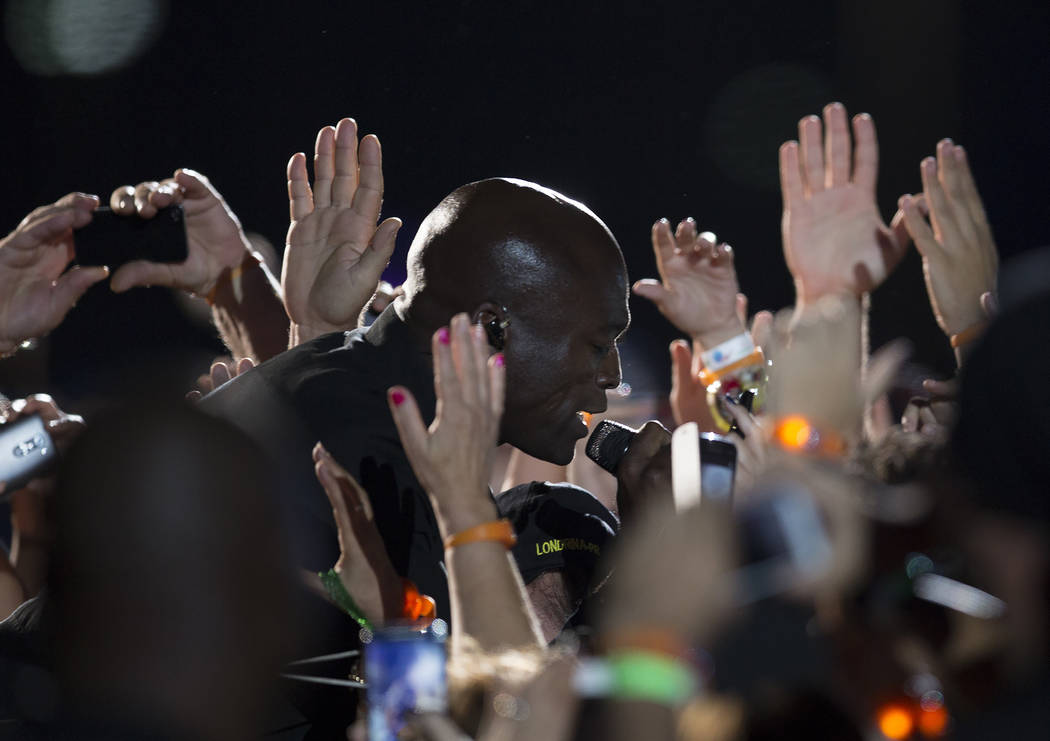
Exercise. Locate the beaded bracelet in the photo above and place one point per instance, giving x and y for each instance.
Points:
(342, 599)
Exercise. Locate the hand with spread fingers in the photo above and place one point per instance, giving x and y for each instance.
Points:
(697, 290)
(835, 240)
(215, 241)
(35, 292)
(959, 257)
(363, 567)
(453, 457)
(335, 254)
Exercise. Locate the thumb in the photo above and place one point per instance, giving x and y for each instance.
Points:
(410, 427)
(651, 289)
(71, 286)
(741, 308)
(762, 328)
(379, 251)
(681, 366)
(141, 273)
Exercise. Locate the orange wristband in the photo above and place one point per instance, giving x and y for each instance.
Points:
(756, 358)
(969, 334)
(500, 531)
(796, 434)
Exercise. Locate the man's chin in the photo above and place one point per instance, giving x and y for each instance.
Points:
(559, 455)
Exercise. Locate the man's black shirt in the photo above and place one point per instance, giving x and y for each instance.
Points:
(334, 389)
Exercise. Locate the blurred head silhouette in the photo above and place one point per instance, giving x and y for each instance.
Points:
(170, 588)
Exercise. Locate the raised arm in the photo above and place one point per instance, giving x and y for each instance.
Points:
(959, 257)
(335, 254)
(220, 266)
(453, 460)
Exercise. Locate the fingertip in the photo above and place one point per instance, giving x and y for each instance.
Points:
(397, 396)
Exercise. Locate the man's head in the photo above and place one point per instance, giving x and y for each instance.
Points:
(546, 278)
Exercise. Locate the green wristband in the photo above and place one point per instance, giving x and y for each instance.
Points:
(638, 675)
(334, 586)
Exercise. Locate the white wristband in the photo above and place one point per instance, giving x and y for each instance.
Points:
(728, 352)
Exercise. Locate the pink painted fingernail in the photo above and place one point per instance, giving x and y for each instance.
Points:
(397, 397)
(499, 360)
(443, 335)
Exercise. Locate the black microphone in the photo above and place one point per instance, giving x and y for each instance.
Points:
(608, 444)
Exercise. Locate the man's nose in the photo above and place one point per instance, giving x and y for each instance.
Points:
(609, 371)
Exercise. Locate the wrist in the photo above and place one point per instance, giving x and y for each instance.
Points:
(710, 338)
(227, 286)
(807, 296)
(457, 517)
(954, 326)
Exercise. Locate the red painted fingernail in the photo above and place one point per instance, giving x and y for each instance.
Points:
(397, 397)
(443, 335)
(499, 360)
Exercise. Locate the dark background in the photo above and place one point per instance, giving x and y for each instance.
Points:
(639, 110)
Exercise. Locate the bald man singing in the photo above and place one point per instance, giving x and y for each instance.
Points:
(546, 280)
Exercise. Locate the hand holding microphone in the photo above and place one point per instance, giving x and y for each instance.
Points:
(642, 462)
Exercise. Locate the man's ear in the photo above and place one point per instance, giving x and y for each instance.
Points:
(495, 320)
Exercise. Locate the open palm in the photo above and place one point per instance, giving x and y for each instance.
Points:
(835, 241)
(335, 254)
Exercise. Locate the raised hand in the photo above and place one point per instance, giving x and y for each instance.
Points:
(364, 567)
(222, 371)
(214, 238)
(697, 290)
(335, 254)
(835, 241)
(959, 258)
(453, 457)
(35, 295)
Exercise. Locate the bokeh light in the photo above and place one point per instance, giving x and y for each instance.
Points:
(895, 722)
(81, 37)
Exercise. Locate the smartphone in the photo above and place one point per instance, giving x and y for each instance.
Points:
(405, 671)
(26, 451)
(703, 467)
(782, 540)
(113, 240)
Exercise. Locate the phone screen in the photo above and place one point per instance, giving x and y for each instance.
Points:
(113, 240)
(717, 467)
(26, 451)
(405, 670)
